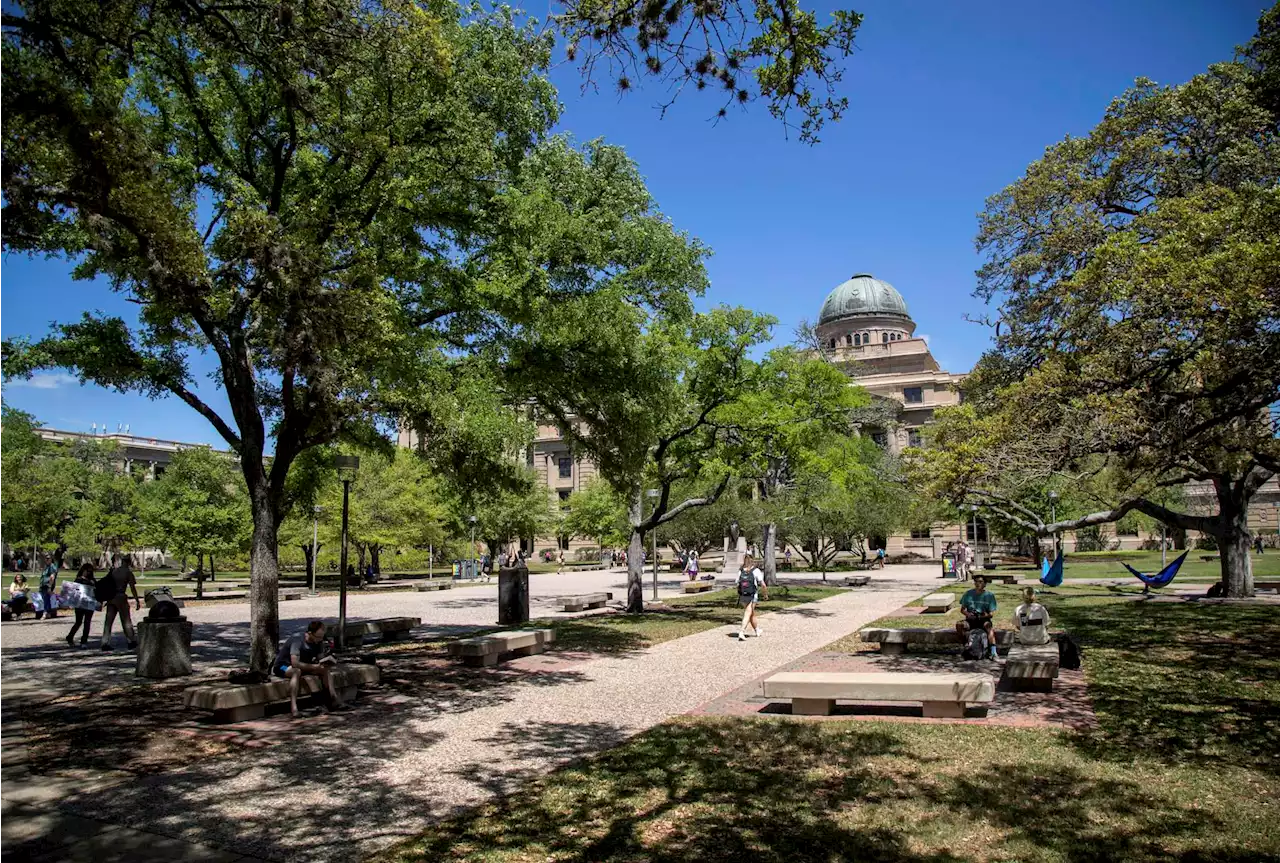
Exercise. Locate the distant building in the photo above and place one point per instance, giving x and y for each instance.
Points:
(137, 454)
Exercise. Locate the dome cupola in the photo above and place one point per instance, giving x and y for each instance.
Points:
(861, 296)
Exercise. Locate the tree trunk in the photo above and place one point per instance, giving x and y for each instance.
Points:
(1179, 537)
(1037, 553)
(1233, 552)
(770, 554)
(311, 564)
(635, 571)
(213, 572)
(375, 551)
(360, 549)
(264, 581)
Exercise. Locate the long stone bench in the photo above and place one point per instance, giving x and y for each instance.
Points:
(938, 603)
(390, 628)
(697, 586)
(1266, 585)
(433, 584)
(857, 581)
(895, 641)
(814, 693)
(1005, 579)
(587, 600)
(1032, 667)
(236, 703)
(485, 650)
(291, 593)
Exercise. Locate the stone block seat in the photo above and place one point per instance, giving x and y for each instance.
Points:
(857, 581)
(1032, 667)
(237, 703)
(433, 584)
(586, 600)
(894, 641)
(1266, 585)
(938, 603)
(697, 586)
(486, 650)
(814, 693)
(291, 593)
(1003, 578)
(389, 628)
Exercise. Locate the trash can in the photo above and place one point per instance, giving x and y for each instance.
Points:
(513, 595)
(948, 564)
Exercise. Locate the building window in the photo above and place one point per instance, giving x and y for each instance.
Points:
(981, 534)
(564, 499)
(848, 339)
(566, 468)
(920, 533)
(833, 344)
(880, 439)
(913, 395)
(913, 437)
(159, 472)
(884, 337)
(866, 338)
(857, 339)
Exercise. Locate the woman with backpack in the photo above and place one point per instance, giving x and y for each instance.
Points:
(84, 604)
(750, 584)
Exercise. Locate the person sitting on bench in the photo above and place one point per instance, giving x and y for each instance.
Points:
(305, 654)
(1031, 619)
(978, 605)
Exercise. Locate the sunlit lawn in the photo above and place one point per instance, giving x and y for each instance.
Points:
(1183, 767)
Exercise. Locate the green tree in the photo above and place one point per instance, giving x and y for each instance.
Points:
(512, 506)
(338, 202)
(643, 394)
(703, 528)
(197, 507)
(1135, 271)
(598, 513)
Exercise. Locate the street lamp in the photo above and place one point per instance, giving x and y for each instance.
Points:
(347, 466)
(315, 531)
(471, 564)
(653, 493)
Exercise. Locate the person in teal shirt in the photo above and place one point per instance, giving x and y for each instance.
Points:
(48, 583)
(978, 606)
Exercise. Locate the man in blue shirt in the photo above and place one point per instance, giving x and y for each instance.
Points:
(978, 606)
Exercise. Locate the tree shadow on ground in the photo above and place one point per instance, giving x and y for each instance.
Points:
(791, 791)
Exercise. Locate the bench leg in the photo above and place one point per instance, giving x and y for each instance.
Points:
(349, 693)
(488, 660)
(529, 651)
(573, 608)
(889, 649)
(1031, 684)
(944, 709)
(242, 713)
(599, 604)
(813, 706)
(395, 635)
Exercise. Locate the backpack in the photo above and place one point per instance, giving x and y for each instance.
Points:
(1068, 653)
(746, 583)
(106, 588)
(977, 645)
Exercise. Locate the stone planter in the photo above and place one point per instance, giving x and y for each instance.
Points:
(164, 648)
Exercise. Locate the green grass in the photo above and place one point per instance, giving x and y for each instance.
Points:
(617, 633)
(1182, 767)
(1106, 564)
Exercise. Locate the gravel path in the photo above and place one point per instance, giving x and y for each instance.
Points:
(340, 795)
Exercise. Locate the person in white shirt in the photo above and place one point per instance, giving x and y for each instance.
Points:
(750, 585)
(1031, 619)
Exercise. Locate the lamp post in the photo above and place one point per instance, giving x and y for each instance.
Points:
(347, 466)
(471, 564)
(315, 531)
(653, 493)
(973, 508)
(1053, 518)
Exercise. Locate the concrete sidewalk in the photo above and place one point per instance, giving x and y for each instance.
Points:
(344, 793)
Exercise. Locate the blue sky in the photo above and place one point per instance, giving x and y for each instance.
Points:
(948, 103)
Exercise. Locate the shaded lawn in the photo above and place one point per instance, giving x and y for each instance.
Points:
(686, 615)
(1107, 564)
(734, 790)
(1183, 767)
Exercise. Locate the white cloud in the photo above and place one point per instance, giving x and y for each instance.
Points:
(44, 381)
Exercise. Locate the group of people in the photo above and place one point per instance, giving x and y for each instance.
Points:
(962, 553)
(978, 605)
(85, 595)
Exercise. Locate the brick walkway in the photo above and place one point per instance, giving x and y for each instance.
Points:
(357, 782)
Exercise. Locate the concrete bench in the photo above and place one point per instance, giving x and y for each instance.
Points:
(697, 586)
(214, 594)
(814, 693)
(433, 584)
(390, 628)
(291, 593)
(485, 650)
(938, 603)
(1004, 579)
(857, 581)
(588, 600)
(236, 703)
(1032, 667)
(895, 641)
(1266, 585)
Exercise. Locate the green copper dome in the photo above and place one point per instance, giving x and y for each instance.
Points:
(863, 294)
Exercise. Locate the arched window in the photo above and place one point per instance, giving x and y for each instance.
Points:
(857, 339)
(833, 344)
(884, 337)
(848, 339)
(866, 338)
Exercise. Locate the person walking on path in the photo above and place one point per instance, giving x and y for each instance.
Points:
(879, 558)
(750, 584)
(84, 609)
(117, 605)
(48, 582)
(559, 561)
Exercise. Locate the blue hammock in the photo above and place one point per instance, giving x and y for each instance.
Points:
(1161, 578)
(1051, 576)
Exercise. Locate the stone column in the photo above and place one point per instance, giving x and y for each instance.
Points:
(513, 595)
(164, 648)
